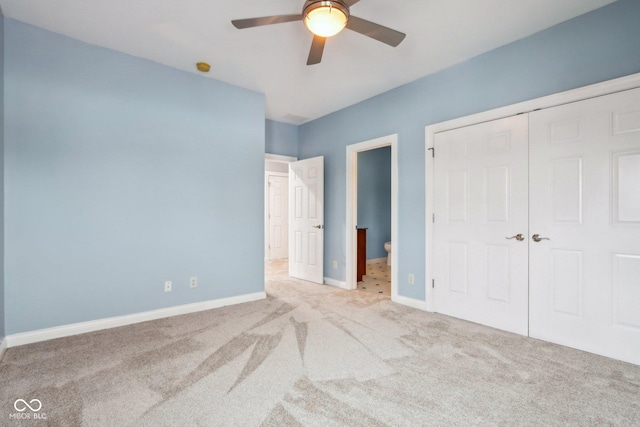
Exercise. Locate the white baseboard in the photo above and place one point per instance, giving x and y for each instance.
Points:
(3, 347)
(376, 260)
(336, 283)
(410, 302)
(114, 322)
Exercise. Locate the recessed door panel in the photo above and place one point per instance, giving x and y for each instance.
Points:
(278, 206)
(566, 190)
(626, 122)
(626, 290)
(626, 187)
(457, 149)
(565, 131)
(278, 240)
(498, 194)
(500, 142)
(298, 247)
(498, 273)
(312, 254)
(298, 201)
(457, 260)
(567, 281)
(457, 196)
(313, 203)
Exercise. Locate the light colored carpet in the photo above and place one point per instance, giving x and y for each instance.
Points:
(313, 355)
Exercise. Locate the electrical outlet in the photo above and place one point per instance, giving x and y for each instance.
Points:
(193, 283)
(412, 279)
(168, 285)
(335, 264)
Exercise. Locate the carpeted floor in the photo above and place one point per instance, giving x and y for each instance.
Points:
(313, 355)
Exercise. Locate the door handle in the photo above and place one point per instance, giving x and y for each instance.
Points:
(537, 238)
(518, 237)
(319, 226)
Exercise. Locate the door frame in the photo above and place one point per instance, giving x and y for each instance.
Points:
(278, 159)
(352, 209)
(599, 89)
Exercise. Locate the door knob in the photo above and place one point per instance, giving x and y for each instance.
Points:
(518, 237)
(319, 226)
(537, 238)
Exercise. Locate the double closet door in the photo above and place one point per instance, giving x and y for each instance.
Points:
(537, 225)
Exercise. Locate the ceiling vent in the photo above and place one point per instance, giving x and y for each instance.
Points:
(292, 118)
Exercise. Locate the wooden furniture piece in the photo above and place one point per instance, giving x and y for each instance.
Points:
(362, 254)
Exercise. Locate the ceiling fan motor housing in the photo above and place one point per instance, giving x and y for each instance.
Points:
(311, 5)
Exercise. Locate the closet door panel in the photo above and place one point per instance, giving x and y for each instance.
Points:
(585, 198)
(481, 200)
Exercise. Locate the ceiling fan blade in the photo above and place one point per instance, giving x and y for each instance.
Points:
(350, 3)
(375, 31)
(265, 20)
(317, 47)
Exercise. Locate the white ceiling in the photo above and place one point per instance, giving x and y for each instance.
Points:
(272, 59)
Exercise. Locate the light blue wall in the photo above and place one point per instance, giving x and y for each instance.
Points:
(2, 309)
(281, 138)
(374, 199)
(595, 47)
(120, 174)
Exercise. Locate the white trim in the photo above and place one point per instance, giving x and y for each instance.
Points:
(410, 302)
(430, 215)
(279, 158)
(114, 322)
(352, 203)
(374, 260)
(3, 347)
(337, 283)
(586, 92)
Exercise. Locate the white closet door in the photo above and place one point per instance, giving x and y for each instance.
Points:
(585, 198)
(481, 200)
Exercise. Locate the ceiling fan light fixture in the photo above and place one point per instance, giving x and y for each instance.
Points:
(325, 18)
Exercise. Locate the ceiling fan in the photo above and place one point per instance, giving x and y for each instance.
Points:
(325, 19)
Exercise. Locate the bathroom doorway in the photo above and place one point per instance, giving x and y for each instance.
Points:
(380, 205)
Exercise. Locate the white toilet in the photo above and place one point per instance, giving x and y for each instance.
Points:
(387, 247)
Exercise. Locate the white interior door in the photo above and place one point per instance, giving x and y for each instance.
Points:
(306, 219)
(278, 217)
(481, 177)
(585, 198)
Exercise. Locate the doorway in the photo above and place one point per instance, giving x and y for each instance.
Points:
(352, 209)
(374, 221)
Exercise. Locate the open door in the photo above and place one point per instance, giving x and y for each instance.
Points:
(306, 219)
